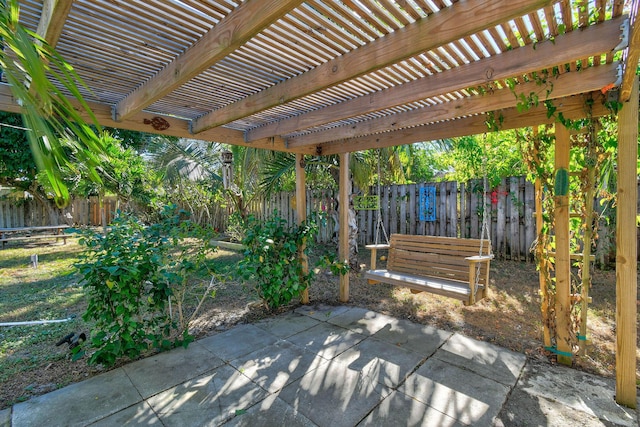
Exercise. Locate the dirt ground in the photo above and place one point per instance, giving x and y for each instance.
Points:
(509, 317)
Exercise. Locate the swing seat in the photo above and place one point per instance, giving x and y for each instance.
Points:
(441, 265)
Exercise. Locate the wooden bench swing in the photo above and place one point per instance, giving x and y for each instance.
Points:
(448, 266)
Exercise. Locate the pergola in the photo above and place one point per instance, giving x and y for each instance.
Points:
(321, 77)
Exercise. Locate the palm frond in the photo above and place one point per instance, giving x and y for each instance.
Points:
(42, 81)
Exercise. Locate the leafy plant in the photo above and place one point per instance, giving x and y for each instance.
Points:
(131, 274)
(272, 258)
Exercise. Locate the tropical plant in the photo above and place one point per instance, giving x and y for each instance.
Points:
(43, 82)
(131, 274)
(272, 258)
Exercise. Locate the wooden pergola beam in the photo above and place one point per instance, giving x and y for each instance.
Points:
(572, 107)
(591, 79)
(583, 43)
(460, 20)
(171, 126)
(631, 63)
(251, 17)
(54, 15)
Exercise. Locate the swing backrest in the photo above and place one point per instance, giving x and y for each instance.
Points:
(434, 256)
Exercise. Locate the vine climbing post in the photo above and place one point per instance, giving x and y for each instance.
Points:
(626, 252)
(301, 211)
(540, 250)
(563, 262)
(343, 236)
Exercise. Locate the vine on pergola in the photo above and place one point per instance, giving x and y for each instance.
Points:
(588, 154)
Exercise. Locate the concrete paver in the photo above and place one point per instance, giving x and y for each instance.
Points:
(238, 341)
(332, 366)
(422, 339)
(209, 399)
(79, 403)
(388, 365)
(459, 393)
(398, 409)
(275, 366)
(361, 321)
(271, 412)
(326, 340)
(287, 324)
(322, 312)
(334, 395)
(5, 417)
(140, 414)
(561, 392)
(485, 359)
(182, 364)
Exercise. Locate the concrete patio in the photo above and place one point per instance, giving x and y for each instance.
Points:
(331, 366)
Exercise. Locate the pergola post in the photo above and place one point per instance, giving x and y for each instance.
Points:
(563, 261)
(626, 252)
(301, 211)
(343, 233)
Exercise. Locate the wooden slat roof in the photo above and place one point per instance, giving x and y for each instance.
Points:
(324, 77)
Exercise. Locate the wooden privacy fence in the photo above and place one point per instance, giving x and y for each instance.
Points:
(31, 212)
(457, 207)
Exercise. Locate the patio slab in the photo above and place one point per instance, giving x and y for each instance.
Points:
(326, 340)
(287, 324)
(386, 364)
(5, 417)
(275, 366)
(488, 360)
(136, 415)
(270, 412)
(361, 321)
(398, 409)
(80, 403)
(459, 393)
(334, 395)
(322, 312)
(422, 339)
(238, 341)
(210, 399)
(183, 364)
(577, 397)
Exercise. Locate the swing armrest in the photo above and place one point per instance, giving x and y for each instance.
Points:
(479, 258)
(379, 246)
(374, 253)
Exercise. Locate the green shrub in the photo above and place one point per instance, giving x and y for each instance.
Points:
(272, 258)
(130, 274)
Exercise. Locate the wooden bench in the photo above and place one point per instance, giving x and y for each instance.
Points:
(33, 233)
(442, 265)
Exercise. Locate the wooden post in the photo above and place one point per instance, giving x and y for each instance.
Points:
(343, 234)
(563, 261)
(626, 252)
(301, 210)
(587, 239)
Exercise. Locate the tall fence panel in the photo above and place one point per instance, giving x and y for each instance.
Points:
(458, 210)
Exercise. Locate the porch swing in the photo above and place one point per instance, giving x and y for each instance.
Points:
(449, 266)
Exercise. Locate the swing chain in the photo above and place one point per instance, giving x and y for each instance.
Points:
(379, 222)
(485, 222)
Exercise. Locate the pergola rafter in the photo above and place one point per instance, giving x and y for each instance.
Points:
(517, 62)
(449, 25)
